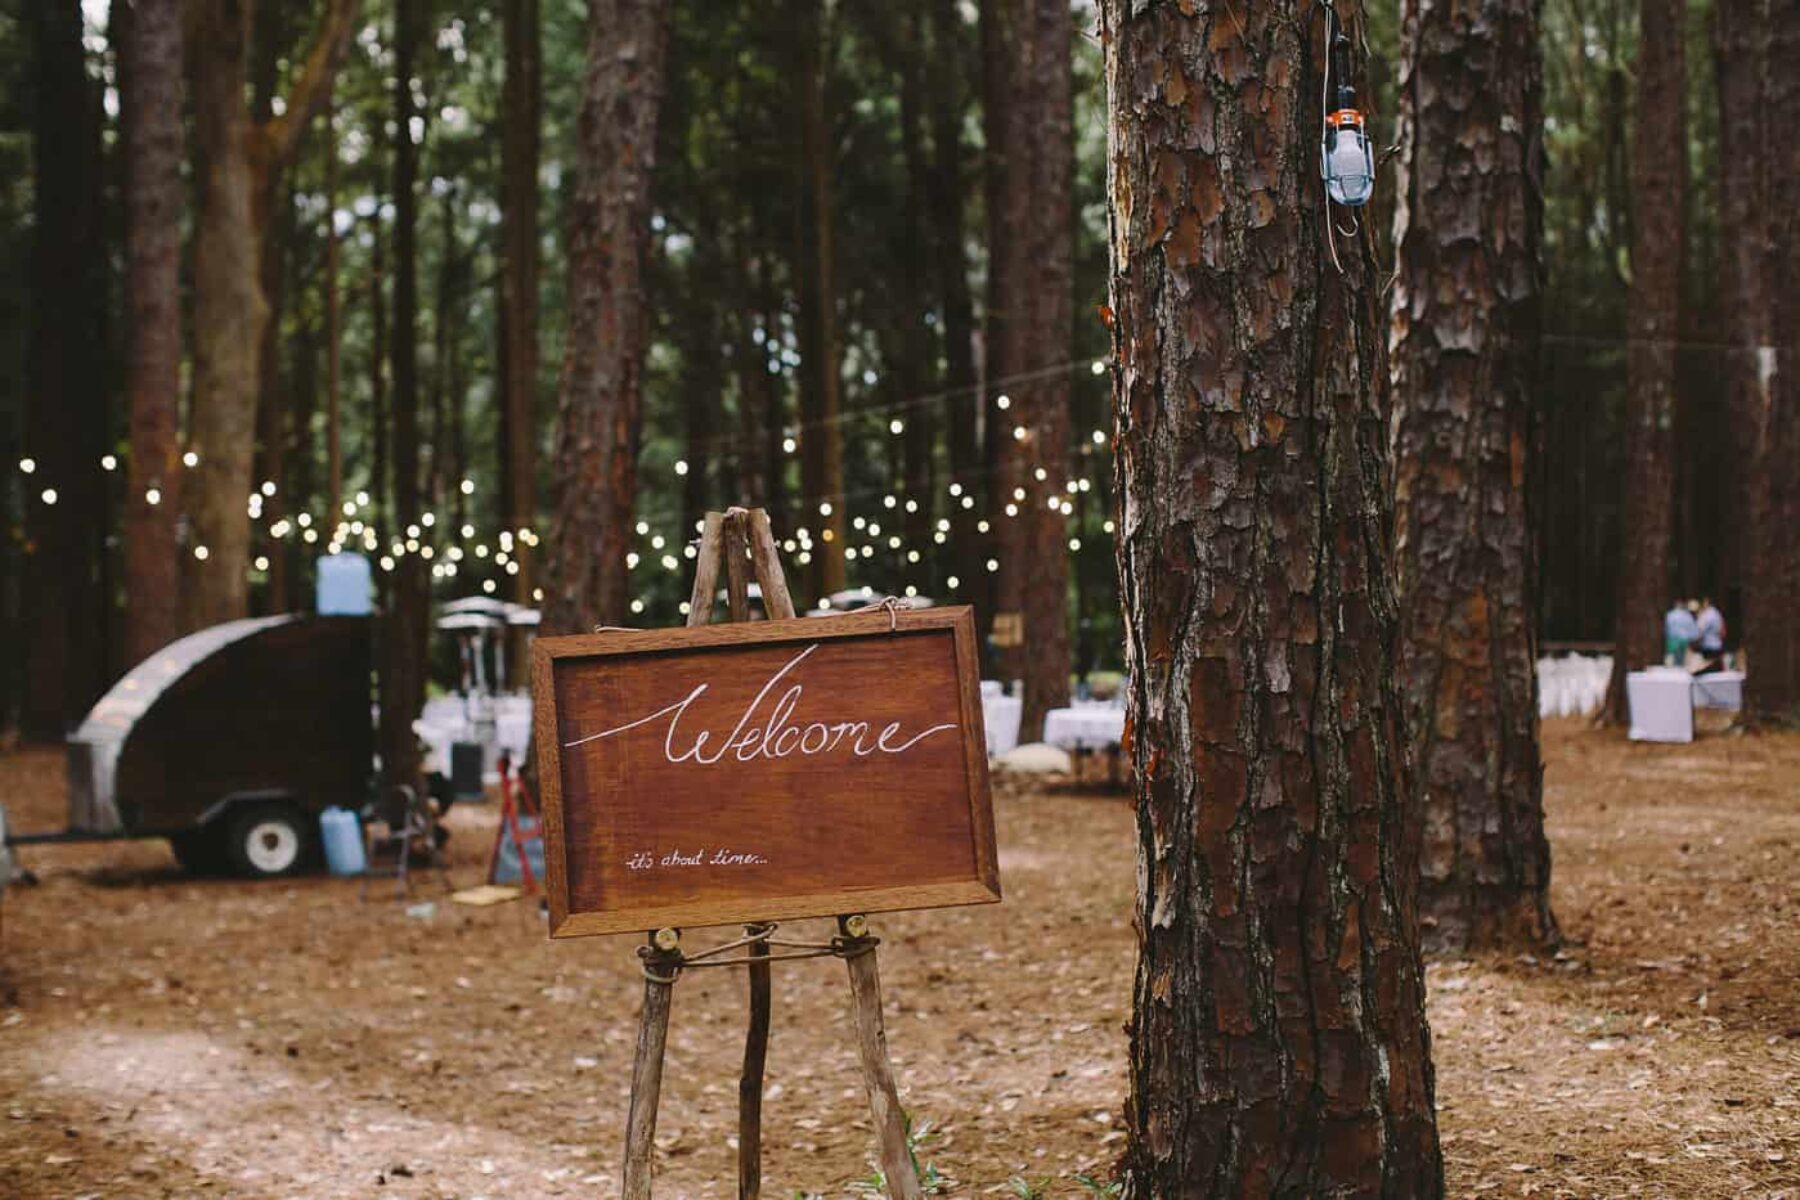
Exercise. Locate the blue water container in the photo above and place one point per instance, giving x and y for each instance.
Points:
(345, 586)
(342, 835)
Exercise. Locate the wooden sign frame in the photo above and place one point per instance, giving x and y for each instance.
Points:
(981, 886)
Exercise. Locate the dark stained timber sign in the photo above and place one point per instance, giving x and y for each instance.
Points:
(765, 770)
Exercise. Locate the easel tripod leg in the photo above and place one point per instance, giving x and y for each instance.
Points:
(750, 1083)
(646, 1074)
(878, 1072)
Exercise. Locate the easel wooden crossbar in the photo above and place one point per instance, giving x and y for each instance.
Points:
(740, 541)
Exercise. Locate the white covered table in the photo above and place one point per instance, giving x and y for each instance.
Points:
(1092, 726)
(1000, 715)
(1719, 689)
(1662, 704)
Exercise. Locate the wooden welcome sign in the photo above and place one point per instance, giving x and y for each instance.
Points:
(763, 770)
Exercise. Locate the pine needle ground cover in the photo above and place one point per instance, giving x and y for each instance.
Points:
(165, 1036)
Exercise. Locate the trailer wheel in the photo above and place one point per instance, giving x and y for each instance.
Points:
(266, 840)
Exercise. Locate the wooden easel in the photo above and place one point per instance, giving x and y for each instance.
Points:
(741, 540)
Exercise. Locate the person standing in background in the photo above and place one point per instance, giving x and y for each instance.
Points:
(1710, 625)
(1680, 629)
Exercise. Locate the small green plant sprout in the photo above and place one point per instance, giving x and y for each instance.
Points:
(1024, 1189)
(1106, 1191)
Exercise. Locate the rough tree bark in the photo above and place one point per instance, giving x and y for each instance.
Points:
(1037, 300)
(821, 428)
(961, 427)
(1278, 1040)
(600, 411)
(237, 159)
(522, 102)
(405, 624)
(63, 602)
(152, 97)
(1741, 61)
(1652, 327)
(1463, 346)
(1772, 641)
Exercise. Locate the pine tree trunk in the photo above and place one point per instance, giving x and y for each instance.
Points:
(821, 427)
(961, 408)
(238, 160)
(1037, 299)
(64, 607)
(1772, 634)
(1278, 1041)
(334, 334)
(404, 625)
(1468, 230)
(522, 102)
(1653, 323)
(152, 97)
(600, 409)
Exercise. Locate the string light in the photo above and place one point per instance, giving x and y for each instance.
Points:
(28, 465)
(109, 462)
(681, 467)
(201, 553)
(468, 487)
(48, 496)
(1003, 401)
(190, 459)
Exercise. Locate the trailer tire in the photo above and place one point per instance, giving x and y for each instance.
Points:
(267, 840)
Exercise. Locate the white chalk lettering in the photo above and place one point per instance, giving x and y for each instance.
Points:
(779, 735)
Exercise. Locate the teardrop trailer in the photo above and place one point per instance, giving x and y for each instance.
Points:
(229, 743)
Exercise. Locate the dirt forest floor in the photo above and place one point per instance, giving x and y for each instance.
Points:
(165, 1036)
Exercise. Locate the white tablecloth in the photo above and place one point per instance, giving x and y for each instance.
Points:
(1000, 713)
(1720, 689)
(1085, 727)
(1662, 705)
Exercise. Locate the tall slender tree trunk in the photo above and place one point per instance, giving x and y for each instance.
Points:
(379, 428)
(238, 159)
(65, 607)
(918, 280)
(152, 98)
(600, 408)
(1036, 302)
(963, 403)
(522, 100)
(405, 622)
(997, 591)
(1772, 640)
(334, 331)
(1468, 230)
(821, 406)
(1653, 324)
(1278, 1040)
(1741, 47)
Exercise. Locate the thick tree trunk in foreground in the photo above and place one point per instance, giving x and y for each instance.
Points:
(64, 604)
(1464, 343)
(1772, 631)
(1037, 298)
(1652, 325)
(821, 427)
(522, 101)
(239, 159)
(153, 149)
(600, 409)
(1278, 1039)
